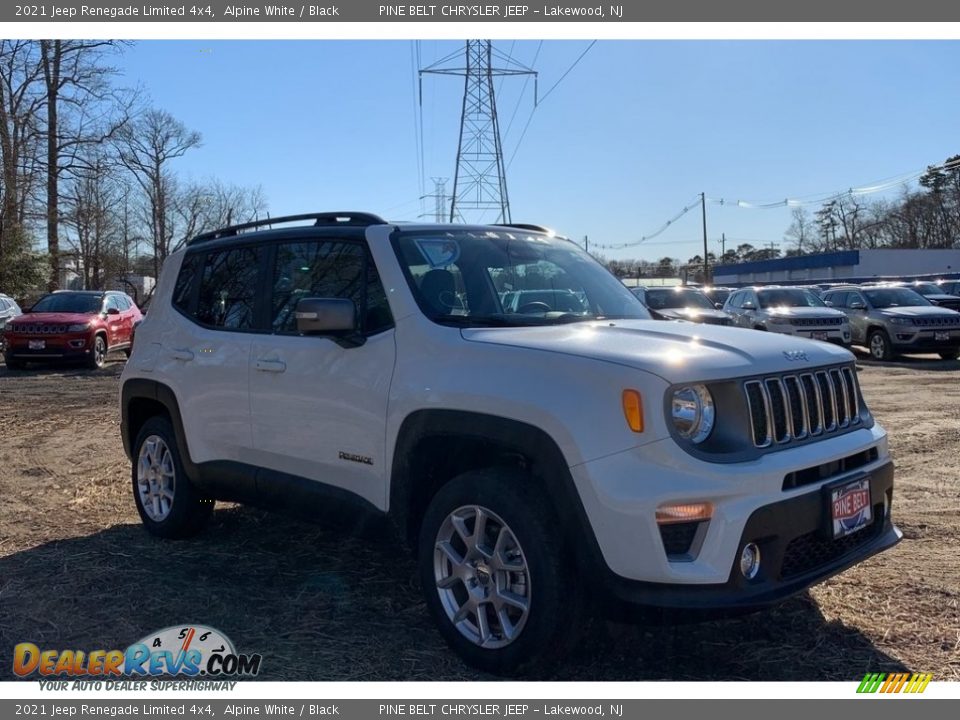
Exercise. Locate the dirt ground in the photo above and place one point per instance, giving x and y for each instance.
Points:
(77, 570)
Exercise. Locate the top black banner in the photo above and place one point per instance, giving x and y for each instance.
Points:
(487, 11)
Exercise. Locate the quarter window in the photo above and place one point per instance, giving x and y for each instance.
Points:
(228, 289)
(186, 281)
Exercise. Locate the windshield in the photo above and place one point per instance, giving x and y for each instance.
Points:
(509, 277)
(69, 303)
(895, 297)
(663, 298)
(788, 297)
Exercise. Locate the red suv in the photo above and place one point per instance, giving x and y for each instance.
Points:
(66, 325)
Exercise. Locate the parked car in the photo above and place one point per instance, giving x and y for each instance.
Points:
(543, 466)
(534, 301)
(936, 294)
(8, 310)
(888, 320)
(681, 303)
(788, 310)
(949, 287)
(71, 326)
(718, 295)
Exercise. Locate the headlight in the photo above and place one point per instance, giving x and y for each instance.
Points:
(78, 328)
(692, 413)
(901, 321)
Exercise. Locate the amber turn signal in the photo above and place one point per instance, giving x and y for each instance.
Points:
(633, 410)
(688, 512)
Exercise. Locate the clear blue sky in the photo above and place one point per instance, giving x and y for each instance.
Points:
(628, 138)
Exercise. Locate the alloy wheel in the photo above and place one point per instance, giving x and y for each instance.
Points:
(156, 478)
(482, 577)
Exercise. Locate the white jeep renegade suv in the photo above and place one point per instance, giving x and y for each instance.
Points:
(543, 462)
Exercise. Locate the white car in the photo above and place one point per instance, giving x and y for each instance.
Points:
(542, 463)
(788, 310)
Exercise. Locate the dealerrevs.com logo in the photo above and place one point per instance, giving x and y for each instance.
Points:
(190, 651)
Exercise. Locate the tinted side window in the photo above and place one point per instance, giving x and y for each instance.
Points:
(327, 269)
(111, 303)
(839, 299)
(186, 281)
(734, 299)
(124, 302)
(228, 289)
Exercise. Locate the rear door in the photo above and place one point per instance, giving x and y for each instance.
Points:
(319, 403)
(114, 320)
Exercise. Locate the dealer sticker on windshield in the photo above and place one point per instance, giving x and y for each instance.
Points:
(439, 252)
(850, 508)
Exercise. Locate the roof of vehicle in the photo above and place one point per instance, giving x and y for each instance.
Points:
(347, 222)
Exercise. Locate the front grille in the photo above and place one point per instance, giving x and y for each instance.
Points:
(787, 408)
(39, 329)
(937, 322)
(815, 322)
(827, 470)
(813, 550)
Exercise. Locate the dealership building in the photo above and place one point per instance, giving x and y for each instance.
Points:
(843, 266)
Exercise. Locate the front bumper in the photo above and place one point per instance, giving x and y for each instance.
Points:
(55, 348)
(837, 334)
(773, 501)
(796, 553)
(909, 339)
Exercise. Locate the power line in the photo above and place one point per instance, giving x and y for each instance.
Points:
(545, 95)
(687, 208)
(820, 198)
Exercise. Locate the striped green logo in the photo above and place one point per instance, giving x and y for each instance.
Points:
(894, 683)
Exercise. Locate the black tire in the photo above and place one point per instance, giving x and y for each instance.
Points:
(950, 354)
(98, 353)
(14, 364)
(127, 352)
(759, 327)
(878, 343)
(189, 510)
(556, 601)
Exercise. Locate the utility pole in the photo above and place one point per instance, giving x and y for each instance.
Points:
(480, 180)
(586, 244)
(706, 262)
(723, 246)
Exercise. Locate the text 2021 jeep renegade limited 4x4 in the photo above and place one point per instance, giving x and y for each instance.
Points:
(538, 459)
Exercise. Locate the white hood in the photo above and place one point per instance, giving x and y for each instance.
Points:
(677, 352)
(804, 312)
(919, 311)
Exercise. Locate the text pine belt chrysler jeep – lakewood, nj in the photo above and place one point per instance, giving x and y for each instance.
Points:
(548, 455)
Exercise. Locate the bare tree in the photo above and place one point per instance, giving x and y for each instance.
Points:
(82, 109)
(20, 103)
(801, 229)
(146, 148)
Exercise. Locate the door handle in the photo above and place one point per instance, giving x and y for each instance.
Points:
(182, 354)
(276, 366)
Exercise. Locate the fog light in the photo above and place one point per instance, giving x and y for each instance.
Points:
(887, 498)
(750, 561)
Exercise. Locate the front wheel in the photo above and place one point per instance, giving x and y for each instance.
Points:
(950, 354)
(98, 353)
(169, 504)
(496, 574)
(879, 344)
(13, 364)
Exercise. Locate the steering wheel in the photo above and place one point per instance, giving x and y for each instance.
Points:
(534, 307)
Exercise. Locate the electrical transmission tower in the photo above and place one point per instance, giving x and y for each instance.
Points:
(480, 180)
(439, 198)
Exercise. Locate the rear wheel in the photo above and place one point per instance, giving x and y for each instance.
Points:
(169, 504)
(879, 344)
(496, 574)
(98, 353)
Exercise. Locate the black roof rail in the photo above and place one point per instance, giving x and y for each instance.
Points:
(326, 219)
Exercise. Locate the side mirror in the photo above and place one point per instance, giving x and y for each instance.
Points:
(325, 315)
(718, 306)
(748, 305)
(828, 303)
(857, 305)
(113, 311)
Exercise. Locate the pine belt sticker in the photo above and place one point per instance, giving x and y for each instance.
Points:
(439, 252)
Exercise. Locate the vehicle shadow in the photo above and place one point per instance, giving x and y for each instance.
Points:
(321, 605)
(932, 363)
(113, 366)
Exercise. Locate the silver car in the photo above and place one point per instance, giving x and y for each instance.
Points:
(788, 310)
(888, 320)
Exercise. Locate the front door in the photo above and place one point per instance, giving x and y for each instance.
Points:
(319, 404)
